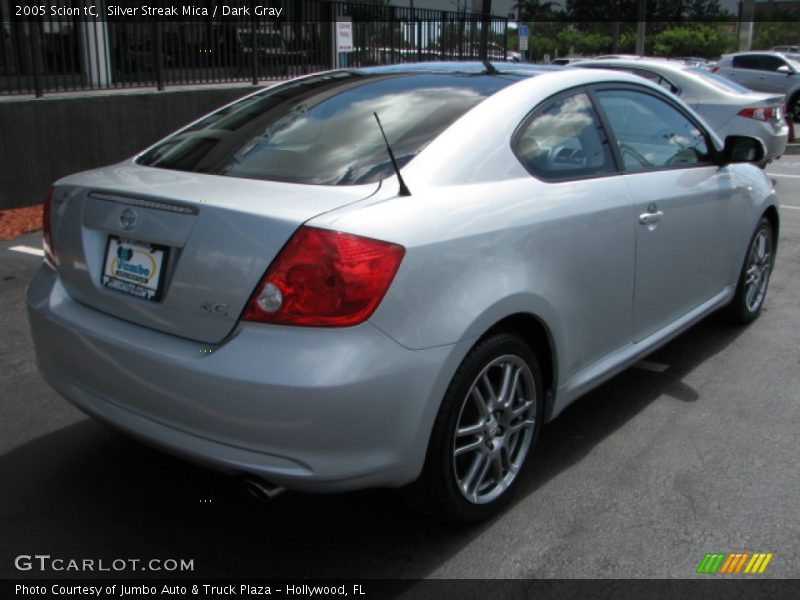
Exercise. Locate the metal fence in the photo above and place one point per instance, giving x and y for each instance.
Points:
(57, 54)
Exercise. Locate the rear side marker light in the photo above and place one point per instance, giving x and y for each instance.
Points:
(325, 278)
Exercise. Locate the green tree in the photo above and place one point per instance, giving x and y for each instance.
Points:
(583, 43)
(588, 12)
(696, 39)
(776, 33)
(534, 10)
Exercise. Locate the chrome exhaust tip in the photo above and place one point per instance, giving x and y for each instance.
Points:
(262, 490)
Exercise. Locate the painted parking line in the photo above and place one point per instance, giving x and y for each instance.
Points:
(27, 250)
(790, 207)
(784, 175)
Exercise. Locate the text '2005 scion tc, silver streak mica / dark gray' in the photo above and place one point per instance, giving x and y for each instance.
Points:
(255, 293)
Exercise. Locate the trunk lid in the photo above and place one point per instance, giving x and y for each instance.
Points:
(213, 236)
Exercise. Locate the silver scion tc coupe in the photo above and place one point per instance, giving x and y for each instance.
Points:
(264, 291)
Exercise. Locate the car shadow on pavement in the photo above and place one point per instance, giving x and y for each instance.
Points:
(86, 491)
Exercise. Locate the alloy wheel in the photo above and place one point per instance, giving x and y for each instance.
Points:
(494, 429)
(759, 264)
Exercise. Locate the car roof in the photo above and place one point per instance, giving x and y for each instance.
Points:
(455, 67)
(634, 62)
(757, 52)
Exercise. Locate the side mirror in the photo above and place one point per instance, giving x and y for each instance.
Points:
(741, 148)
(785, 69)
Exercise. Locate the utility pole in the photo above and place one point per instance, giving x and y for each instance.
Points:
(747, 10)
(641, 26)
(486, 13)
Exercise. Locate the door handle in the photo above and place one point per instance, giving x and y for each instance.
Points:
(650, 218)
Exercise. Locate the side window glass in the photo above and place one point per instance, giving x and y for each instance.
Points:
(650, 133)
(564, 141)
(745, 62)
(771, 63)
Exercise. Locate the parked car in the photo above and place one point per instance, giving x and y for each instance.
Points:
(784, 49)
(286, 293)
(562, 62)
(765, 72)
(695, 61)
(610, 56)
(726, 106)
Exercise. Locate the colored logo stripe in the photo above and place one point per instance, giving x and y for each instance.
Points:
(733, 563)
(710, 563)
(758, 563)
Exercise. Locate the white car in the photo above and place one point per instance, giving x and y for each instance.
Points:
(728, 107)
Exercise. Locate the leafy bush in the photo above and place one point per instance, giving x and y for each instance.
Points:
(703, 40)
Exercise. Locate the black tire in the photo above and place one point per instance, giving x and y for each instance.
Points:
(502, 444)
(751, 289)
(794, 108)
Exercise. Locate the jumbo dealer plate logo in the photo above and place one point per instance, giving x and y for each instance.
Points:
(133, 264)
(134, 267)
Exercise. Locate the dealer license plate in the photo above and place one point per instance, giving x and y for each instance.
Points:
(134, 267)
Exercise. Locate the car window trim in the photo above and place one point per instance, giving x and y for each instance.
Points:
(678, 90)
(631, 70)
(543, 106)
(610, 86)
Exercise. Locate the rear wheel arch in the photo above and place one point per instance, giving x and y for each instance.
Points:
(538, 336)
(480, 439)
(771, 214)
(430, 493)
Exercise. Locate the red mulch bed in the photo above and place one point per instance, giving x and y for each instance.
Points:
(15, 222)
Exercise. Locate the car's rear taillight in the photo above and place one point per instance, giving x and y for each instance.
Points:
(47, 230)
(714, 69)
(325, 278)
(762, 114)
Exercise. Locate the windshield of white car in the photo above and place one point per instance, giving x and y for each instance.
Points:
(321, 129)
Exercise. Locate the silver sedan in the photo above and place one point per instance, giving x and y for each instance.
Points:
(395, 276)
(729, 108)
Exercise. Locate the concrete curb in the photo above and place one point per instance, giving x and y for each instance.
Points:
(792, 149)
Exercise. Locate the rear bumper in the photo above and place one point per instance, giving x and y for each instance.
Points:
(309, 409)
(776, 141)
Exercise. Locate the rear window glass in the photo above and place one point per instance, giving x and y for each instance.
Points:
(720, 82)
(321, 130)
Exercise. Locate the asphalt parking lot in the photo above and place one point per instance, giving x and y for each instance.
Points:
(639, 479)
